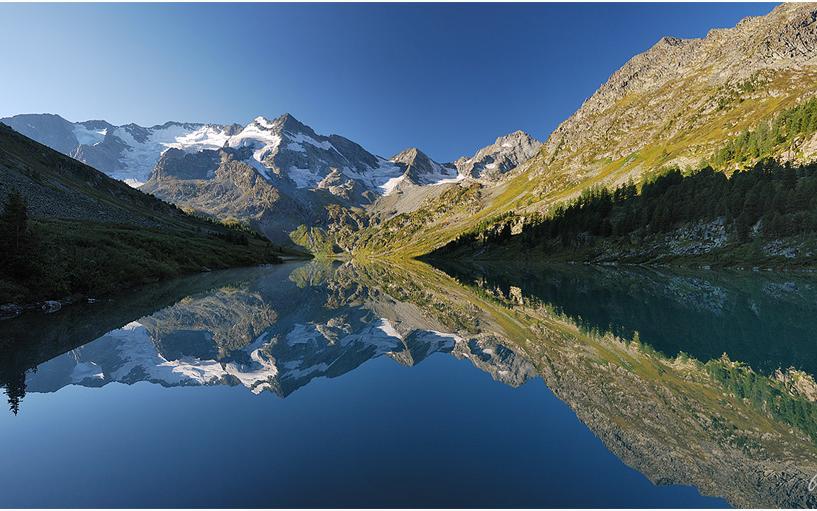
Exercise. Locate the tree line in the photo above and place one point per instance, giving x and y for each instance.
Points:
(769, 199)
(769, 137)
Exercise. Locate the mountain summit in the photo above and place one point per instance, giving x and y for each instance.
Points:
(276, 174)
(505, 154)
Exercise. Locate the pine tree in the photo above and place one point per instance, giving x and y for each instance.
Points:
(16, 391)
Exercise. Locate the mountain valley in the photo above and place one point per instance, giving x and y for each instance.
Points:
(724, 102)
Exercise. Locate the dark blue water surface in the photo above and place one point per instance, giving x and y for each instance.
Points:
(439, 434)
(291, 386)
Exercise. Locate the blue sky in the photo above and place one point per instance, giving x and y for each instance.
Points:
(447, 78)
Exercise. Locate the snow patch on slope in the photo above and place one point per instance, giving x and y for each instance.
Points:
(87, 136)
(304, 178)
(208, 137)
(298, 139)
(141, 156)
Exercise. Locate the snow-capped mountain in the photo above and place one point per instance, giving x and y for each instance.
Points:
(287, 152)
(421, 170)
(128, 152)
(284, 147)
(278, 175)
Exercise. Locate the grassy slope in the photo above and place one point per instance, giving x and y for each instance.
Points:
(91, 234)
(547, 180)
(95, 259)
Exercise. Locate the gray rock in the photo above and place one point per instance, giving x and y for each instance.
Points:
(497, 159)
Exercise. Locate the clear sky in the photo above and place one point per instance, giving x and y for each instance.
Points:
(447, 78)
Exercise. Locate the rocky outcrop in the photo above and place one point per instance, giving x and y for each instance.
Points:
(177, 164)
(492, 162)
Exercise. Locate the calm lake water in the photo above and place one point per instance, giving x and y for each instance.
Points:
(350, 385)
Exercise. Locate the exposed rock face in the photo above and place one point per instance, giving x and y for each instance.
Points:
(497, 159)
(177, 164)
(229, 188)
(275, 175)
(421, 170)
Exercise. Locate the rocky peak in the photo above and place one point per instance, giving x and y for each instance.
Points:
(517, 139)
(285, 122)
(505, 154)
(289, 122)
(420, 169)
(411, 156)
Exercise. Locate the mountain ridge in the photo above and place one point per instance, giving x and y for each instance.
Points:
(674, 105)
(307, 180)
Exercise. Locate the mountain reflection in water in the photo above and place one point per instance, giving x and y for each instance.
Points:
(665, 401)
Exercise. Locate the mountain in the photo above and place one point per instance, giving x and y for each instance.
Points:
(683, 102)
(127, 152)
(279, 175)
(421, 170)
(86, 232)
(682, 99)
(492, 161)
(274, 174)
(728, 100)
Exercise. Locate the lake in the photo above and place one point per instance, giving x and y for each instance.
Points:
(315, 384)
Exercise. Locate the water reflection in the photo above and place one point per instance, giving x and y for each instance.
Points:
(265, 329)
(666, 403)
(767, 320)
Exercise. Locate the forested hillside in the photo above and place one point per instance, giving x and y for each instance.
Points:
(764, 214)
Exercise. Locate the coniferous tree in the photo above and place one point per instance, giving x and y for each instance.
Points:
(16, 391)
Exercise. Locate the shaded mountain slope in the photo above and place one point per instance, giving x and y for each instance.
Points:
(89, 233)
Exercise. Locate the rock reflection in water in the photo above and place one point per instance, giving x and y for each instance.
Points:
(659, 403)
